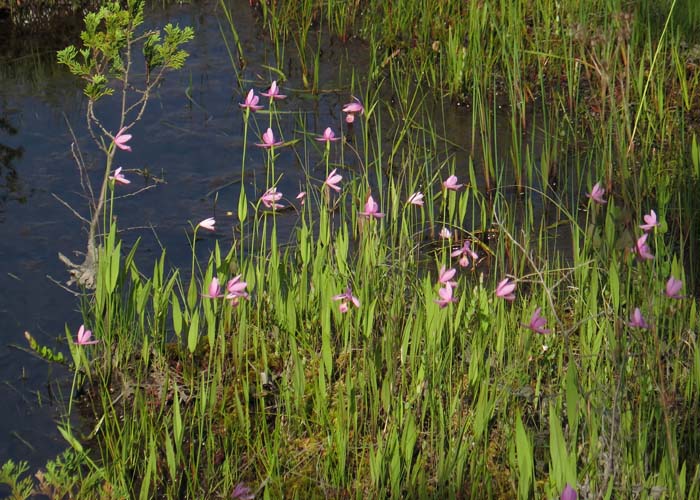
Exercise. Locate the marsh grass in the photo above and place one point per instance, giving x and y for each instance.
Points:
(190, 396)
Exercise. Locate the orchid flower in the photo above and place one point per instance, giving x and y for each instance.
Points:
(372, 209)
(328, 136)
(121, 139)
(637, 320)
(119, 177)
(274, 92)
(445, 276)
(650, 222)
(569, 493)
(451, 183)
(83, 337)
(208, 224)
(251, 102)
(642, 249)
(416, 199)
(242, 492)
(597, 193)
(537, 322)
(465, 252)
(271, 197)
(445, 233)
(353, 108)
(332, 181)
(301, 197)
(236, 290)
(446, 296)
(506, 290)
(346, 298)
(214, 291)
(268, 140)
(673, 288)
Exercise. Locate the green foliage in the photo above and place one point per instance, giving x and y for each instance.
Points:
(107, 43)
(10, 474)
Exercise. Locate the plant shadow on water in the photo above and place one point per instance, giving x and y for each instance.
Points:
(322, 344)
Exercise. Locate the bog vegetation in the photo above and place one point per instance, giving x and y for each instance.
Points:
(486, 333)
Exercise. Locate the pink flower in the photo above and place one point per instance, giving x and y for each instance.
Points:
(242, 492)
(236, 290)
(274, 92)
(372, 209)
(328, 136)
(537, 322)
(673, 288)
(121, 139)
(301, 197)
(446, 297)
(568, 494)
(354, 107)
(465, 252)
(346, 299)
(214, 289)
(650, 221)
(597, 193)
(642, 249)
(349, 118)
(506, 290)
(208, 224)
(451, 183)
(332, 181)
(251, 102)
(83, 337)
(268, 140)
(445, 276)
(119, 177)
(637, 320)
(445, 233)
(271, 197)
(416, 199)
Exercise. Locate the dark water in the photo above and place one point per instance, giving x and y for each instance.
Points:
(191, 136)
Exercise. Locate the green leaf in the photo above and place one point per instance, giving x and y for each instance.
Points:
(193, 333)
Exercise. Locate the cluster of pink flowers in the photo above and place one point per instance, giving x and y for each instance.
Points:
(235, 288)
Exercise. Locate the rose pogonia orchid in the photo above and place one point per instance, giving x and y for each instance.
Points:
(466, 252)
(416, 199)
(445, 233)
(236, 290)
(268, 140)
(121, 139)
(537, 322)
(301, 197)
(451, 183)
(119, 177)
(597, 194)
(208, 224)
(333, 180)
(83, 337)
(271, 197)
(446, 296)
(273, 92)
(242, 492)
(445, 276)
(371, 209)
(346, 298)
(673, 288)
(251, 102)
(569, 493)
(353, 108)
(328, 136)
(650, 222)
(506, 290)
(637, 320)
(214, 291)
(642, 249)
